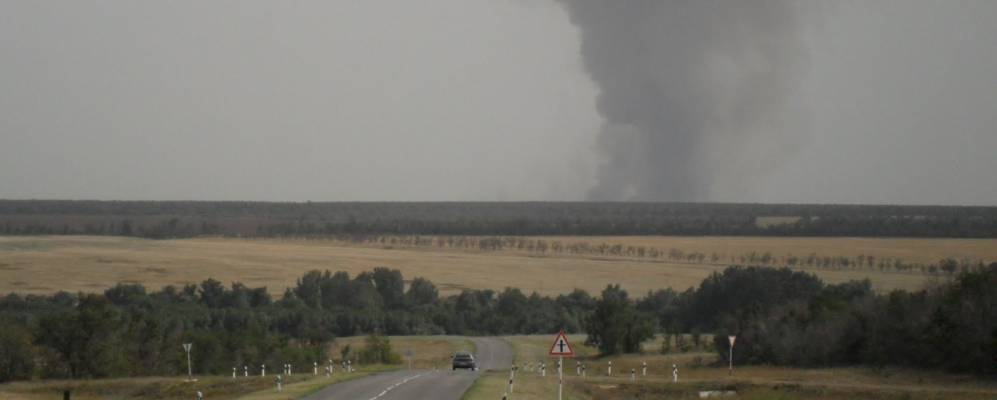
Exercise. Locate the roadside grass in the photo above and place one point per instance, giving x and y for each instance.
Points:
(176, 388)
(428, 352)
(314, 384)
(703, 370)
(40, 264)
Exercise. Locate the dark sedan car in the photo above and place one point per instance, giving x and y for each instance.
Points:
(464, 360)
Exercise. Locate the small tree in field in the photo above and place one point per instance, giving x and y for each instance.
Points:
(377, 350)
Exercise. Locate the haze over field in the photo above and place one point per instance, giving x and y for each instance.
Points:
(886, 101)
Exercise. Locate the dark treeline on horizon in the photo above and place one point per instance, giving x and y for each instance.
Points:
(171, 219)
(781, 317)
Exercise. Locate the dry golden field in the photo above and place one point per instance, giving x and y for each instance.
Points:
(81, 263)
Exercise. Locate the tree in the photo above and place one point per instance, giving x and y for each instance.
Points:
(309, 288)
(421, 292)
(87, 338)
(615, 325)
(390, 286)
(377, 350)
(16, 358)
(212, 293)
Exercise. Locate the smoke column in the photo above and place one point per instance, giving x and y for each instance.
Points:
(694, 93)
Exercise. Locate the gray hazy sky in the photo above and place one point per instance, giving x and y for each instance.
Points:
(889, 101)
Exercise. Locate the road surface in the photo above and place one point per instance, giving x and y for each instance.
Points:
(490, 353)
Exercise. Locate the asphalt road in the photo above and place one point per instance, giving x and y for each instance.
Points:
(491, 353)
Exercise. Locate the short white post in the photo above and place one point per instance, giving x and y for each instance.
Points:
(245, 371)
(609, 370)
(633, 375)
(643, 368)
(314, 368)
(233, 372)
(675, 373)
(263, 370)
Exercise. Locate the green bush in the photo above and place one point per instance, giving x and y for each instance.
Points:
(377, 350)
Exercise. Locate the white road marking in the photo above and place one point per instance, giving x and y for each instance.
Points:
(397, 384)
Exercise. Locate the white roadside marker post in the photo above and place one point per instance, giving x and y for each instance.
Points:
(609, 370)
(314, 368)
(245, 371)
(643, 368)
(633, 375)
(263, 370)
(233, 372)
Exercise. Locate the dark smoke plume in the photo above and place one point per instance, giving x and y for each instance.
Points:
(693, 92)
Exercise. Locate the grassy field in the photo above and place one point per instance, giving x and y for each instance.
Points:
(427, 352)
(175, 388)
(702, 371)
(81, 263)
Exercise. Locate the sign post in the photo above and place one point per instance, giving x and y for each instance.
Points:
(190, 371)
(560, 348)
(731, 339)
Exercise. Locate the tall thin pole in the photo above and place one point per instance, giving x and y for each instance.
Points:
(560, 375)
(730, 353)
(730, 371)
(190, 373)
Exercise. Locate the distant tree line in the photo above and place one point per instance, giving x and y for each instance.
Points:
(553, 246)
(164, 219)
(781, 317)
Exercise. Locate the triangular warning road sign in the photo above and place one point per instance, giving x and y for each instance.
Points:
(561, 347)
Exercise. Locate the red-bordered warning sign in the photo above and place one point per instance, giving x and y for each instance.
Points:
(561, 347)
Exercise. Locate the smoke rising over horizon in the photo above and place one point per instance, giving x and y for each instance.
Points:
(688, 89)
(773, 101)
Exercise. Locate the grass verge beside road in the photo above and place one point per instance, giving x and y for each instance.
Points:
(702, 371)
(170, 388)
